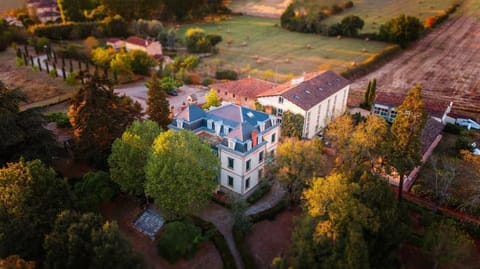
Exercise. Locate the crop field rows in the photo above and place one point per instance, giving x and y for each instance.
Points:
(446, 63)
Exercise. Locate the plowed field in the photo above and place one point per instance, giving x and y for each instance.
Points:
(446, 62)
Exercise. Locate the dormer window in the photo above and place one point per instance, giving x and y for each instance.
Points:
(209, 124)
(249, 145)
(261, 125)
(179, 123)
(231, 143)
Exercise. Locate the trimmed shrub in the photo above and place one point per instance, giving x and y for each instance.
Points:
(207, 81)
(72, 78)
(452, 129)
(226, 74)
(271, 212)
(243, 249)
(19, 61)
(262, 189)
(60, 118)
(218, 240)
(180, 240)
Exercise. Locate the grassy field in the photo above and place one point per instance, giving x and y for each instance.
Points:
(377, 12)
(10, 4)
(373, 12)
(259, 44)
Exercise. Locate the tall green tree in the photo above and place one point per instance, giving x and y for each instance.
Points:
(129, 156)
(298, 161)
(158, 107)
(181, 173)
(292, 125)
(349, 223)
(351, 24)
(98, 116)
(141, 62)
(85, 241)
(401, 30)
(359, 148)
(31, 196)
(211, 100)
(370, 94)
(406, 131)
(94, 189)
(22, 133)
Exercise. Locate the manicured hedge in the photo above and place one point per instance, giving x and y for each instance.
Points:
(270, 213)
(372, 63)
(263, 188)
(218, 240)
(243, 249)
(226, 74)
(81, 30)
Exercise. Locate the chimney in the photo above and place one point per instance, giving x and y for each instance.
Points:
(254, 138)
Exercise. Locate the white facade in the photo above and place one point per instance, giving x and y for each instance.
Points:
(243, 177)
(151, 48)
(244, 140)
(317, 117)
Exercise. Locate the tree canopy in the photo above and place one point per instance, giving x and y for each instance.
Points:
(22, 132)
(211, 99)
(94, 189)
(85, 241)
(298, 161)
(158, 107)
(292, 124)
(350, 223)
(181, 172)
(31, 197)
(401, 30)
(129, 156)
(405, 147)
(98, 116)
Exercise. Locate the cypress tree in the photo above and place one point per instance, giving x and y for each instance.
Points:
(364, 104)
(158, 108)
(372, 92)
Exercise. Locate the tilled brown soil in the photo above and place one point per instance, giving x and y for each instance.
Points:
(446, 62)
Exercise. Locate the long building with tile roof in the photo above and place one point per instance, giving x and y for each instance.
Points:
(319, 97)
(243, 139)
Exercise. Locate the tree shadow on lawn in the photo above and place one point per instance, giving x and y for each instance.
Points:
(124, 209)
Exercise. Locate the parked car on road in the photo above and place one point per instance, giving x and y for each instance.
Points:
(172, 93)
(468, 123)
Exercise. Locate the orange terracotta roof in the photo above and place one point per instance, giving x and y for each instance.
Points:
(248, 87)
(137, 41)
(310, 89)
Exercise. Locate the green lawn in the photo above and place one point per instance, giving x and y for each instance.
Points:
(10, 4)
(259, 44)
(377, 12)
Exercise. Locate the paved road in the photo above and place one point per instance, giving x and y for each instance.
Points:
(138, 92)
(222, 218)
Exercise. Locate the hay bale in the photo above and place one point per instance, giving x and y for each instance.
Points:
(339, 37)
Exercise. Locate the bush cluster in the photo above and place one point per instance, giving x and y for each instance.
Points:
(115, 26)
(226, 74)
(310, 21)
(60, 118)
(180, 240)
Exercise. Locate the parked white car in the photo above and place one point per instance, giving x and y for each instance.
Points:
(468, 123)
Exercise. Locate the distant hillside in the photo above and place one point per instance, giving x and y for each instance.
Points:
(10, 4)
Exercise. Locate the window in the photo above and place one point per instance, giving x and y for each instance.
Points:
(279, 112)
(273, 137)
(247, 183)
(233, 95)
(260, 174)
(280, 100)
(230, 163)
(260, 157)
(248, 165)
(230, 181)
(246, 99)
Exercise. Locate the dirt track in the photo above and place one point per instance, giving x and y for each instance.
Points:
(446, 62)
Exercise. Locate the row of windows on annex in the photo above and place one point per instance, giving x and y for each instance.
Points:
(232, 96)
(387, 113)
